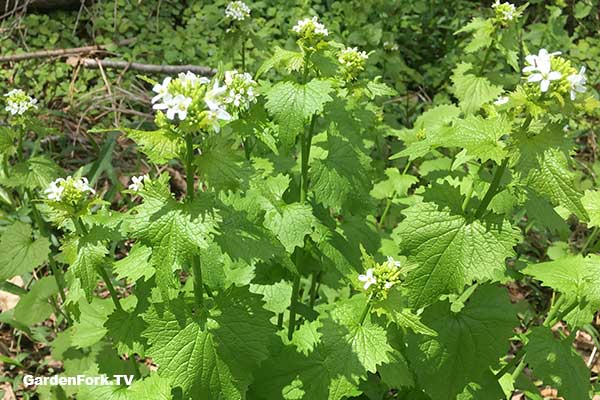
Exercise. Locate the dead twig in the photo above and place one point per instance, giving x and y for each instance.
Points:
(150, 68)
(60, 52)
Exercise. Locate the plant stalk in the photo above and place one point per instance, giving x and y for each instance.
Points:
(366, 311)
(492, 190)
(293, 303)
(196, 263)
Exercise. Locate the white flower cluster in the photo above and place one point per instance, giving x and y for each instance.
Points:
(57, 189)
(540, 67)
(540, 70)
(176, 103)
(237, 10)
(390, 46)
(309, 27)
(387, 273)
(18, 102)
(351, 55)
(240, 89)
(507, 11)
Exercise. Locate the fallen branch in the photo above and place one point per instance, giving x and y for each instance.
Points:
(150, 68)
(60, 52)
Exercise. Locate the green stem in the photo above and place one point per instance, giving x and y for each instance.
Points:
(519, 368)
(243, 52)
(293, 303)
(590, 240)
(196, 264)
(553, 310)
(492, 190)
(189, 166)
(110, 287)
(388, 204)
(485, 58)
(366, 311)
(316, 277)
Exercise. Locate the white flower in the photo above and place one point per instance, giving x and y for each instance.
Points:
(191, 79)
(237, 10)
(161, 89)
(308, 26)
(393, 263)
(501, 100)
(220, 114)
(577, 82)
(541, 66)
(137, 183)
(18, 102)
(214, 97)
(83, 185)
(178, 106)
(368, 279)
(55, 190)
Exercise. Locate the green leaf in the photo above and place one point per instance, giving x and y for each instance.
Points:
(160, 146)
(553, 180)
(472, 91)
(333, 360)
(34, 307)
(450, 251)
(222, 165)
(557, 363)
(482, 31)
(34, 173)
(7, 140)
(289, 222)
(467, 344)
(292, 104)
(576, 278)
(211, 358)
(339, 176)
(152, 387)
(591, 203)
(20, 253)
(125, 326)
(396, 184)
(174, 231)
(136, 265)
(90, 329)
(90, 257)
(481, 137)
(291, 60)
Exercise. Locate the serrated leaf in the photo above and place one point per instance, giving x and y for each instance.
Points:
(90, 257)
(90, 329)
(340, 177)
(450, 252)
(553, 180)
(34, 173)
(557, 363)
(20, 253)
(591, 203)
(291, 60)
(222, 165)
(212, 358)
(576, 278)
(136, 265)
(472, 91)
(290, 223)
(160, 146)
(292, 104)
(332, 368)
(482, 31)
(481, 137)
(175, 231)
(395, 184)
(467, 344)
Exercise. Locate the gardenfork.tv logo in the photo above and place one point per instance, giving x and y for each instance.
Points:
(78, 380)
